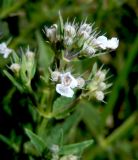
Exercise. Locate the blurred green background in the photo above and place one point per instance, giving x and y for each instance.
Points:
(117, 119)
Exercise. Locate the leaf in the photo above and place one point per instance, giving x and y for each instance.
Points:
(36, 141)
(91, 118)
(76, 148)
(12, 79)
(55, 135)
(61, 106)
(93, 71)
(61, 102)
(46, 54)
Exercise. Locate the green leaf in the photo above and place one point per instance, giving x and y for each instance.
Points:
(91, 118)
(36, 141)
(46, 54)
(12, 79)
(76, 148)
(61, 102)
(61, 106)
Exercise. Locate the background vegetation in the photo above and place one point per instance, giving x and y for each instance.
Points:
(114, 125)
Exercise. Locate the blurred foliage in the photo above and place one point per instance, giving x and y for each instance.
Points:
(114, 125)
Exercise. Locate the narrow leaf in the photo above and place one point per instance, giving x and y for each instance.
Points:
(77, 148)
(36, 141)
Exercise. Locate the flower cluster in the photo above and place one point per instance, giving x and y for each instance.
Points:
(71, 40)
(98, 85)
(67, 83)
(24, 67)
(4, 50)
(80, 40)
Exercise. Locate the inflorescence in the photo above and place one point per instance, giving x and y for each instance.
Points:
(74, 41)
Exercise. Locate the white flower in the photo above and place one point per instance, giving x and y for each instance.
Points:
(4, 50)
(69, 30)
(68, 82)
(102, 41)
(99, 95)
(64, 90)
(113, 43)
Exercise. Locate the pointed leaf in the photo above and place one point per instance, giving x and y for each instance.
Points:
(36, 141)
(46, 54)
(76, 148)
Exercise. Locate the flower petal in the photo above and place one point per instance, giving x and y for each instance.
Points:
(102, 42)
(113, 43)
(64, 90)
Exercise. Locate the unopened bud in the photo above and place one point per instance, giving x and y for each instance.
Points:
(86, 27)
(54, 148)
(81, 82)
(15, 67)
(68, 41)
(99, 95)
(55, 76)
(51, 33)
(89, 49)
(69, 157)
(100, 76)
(69, 30)
(30, 55)
(102, 86)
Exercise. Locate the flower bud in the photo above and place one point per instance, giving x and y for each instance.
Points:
(54, 148)
(81, 82)
(30, 55)
(69, 157)
(15, 67)
(55, 76)
(88, 49)
(102, 86)
(99, 95)
(69, 30)
(85, 27)
(68, 41)
(51, 33)
(100, 76)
